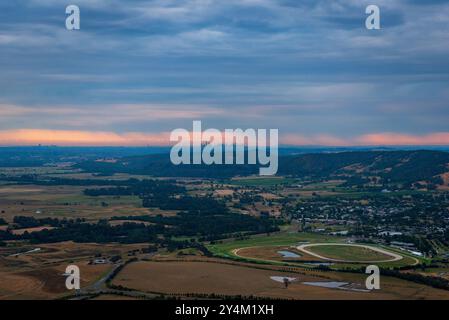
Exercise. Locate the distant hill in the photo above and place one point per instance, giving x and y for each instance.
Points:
(393, 165)
(35, 156)
(385, 166)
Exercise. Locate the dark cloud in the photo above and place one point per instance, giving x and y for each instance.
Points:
(427, 2)
(305, 66)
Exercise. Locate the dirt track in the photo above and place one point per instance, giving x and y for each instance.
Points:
(394, 256)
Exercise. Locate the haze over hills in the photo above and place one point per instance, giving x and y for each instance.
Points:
(360, 167)
(375, 165)
(50, 152)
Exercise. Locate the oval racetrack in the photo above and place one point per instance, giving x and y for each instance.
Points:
(394, 256)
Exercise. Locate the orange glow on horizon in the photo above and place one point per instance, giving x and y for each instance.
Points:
(81, 138)
(105, 138)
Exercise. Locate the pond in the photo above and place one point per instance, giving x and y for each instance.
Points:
(281, 279)
(337, 285)
(319, 263)
(329, 284)
(288, 254)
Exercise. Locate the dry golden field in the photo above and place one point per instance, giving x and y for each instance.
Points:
(64, 202)
(183, 277)
(29, 230)
(45, 282)
(39, 275)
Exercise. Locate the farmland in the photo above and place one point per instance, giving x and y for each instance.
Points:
(39, 275)
(207, 278)
(205, 237)
(63, 202)
(257, 181)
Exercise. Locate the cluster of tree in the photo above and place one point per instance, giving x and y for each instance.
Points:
(114, 191)
(100, 232)
(139, 188)
(6, 235)
(209, 227)
(31, 222)
(201, 205)
(355, 180)
(135, 184)
(436, 282)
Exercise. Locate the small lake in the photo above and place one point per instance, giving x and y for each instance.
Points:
(288, 254)
(319, 263)
(330, 284)
(337, 285)
(281, 279)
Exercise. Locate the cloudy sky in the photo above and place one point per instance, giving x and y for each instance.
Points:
(138, 69)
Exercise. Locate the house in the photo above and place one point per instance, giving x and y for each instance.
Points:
(390, 233)
(340, 233)
(100, 261)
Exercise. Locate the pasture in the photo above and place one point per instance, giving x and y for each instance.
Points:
(350, 253)
(260, 181)
(64, 202)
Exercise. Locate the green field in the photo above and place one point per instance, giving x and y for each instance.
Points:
(18, 171)
(225, 249)
(348, 253)
(261, 181)
(81, 199)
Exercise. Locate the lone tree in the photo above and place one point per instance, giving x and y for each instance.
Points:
(286, 282)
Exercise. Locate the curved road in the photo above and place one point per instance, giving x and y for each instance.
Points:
(394, 256)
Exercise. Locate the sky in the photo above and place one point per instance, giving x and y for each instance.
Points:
(136, 70)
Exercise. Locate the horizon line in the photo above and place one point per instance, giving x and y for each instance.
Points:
(283, 146)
